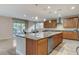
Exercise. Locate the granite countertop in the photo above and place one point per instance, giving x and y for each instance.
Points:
(39, 35)
(58, 30)
(44, 33)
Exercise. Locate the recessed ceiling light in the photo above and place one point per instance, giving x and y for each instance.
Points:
(36, 17)
(24, 15)
(49, 21)
(48, 7)
(44, 19)
(72, 7)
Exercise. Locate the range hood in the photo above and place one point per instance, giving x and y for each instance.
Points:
(59, 20)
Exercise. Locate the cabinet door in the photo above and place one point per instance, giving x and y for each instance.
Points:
(34, 47)
(29, 43)
(57, 39)
(70, 23)
(70, 35)
(43, 47)
(31, 47)
(53, 24)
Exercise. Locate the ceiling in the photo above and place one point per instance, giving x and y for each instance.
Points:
(30, 11)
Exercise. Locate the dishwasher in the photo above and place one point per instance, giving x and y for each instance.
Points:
(50, 44)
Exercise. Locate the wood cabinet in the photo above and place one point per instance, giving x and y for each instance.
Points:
(30, 46)
(42, 46)
(70, 35)
(57, 39)
(36, 47)
(70, 23)
(50, 24)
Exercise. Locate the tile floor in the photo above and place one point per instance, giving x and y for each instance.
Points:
(8, 52)
(5, 48)
(68, 47)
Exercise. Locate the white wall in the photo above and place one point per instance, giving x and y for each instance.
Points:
(5, 28)
(6, 41)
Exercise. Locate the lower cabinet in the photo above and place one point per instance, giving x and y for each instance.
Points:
(57, 39)
(70, 35)
(36, 47)
(42, 46)
(29, 46)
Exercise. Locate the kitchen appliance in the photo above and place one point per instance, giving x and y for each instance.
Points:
(50, 44)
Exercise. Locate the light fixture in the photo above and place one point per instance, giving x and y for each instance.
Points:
(49, 21)
(36, 17)
(73, 7)
(44, 19)
(48, 7)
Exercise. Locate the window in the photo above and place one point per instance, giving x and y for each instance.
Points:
(35, 26)
(39, 25)
(18, 27)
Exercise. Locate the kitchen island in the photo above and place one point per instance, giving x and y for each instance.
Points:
(42, 43)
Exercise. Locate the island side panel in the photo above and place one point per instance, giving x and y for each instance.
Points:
(31, 47)
(28, 46)
(43, 46)
(37, 47)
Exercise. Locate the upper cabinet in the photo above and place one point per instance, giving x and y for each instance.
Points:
(70, 22)
(50, 24)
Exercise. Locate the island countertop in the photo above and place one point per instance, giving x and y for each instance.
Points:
(39, 35)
